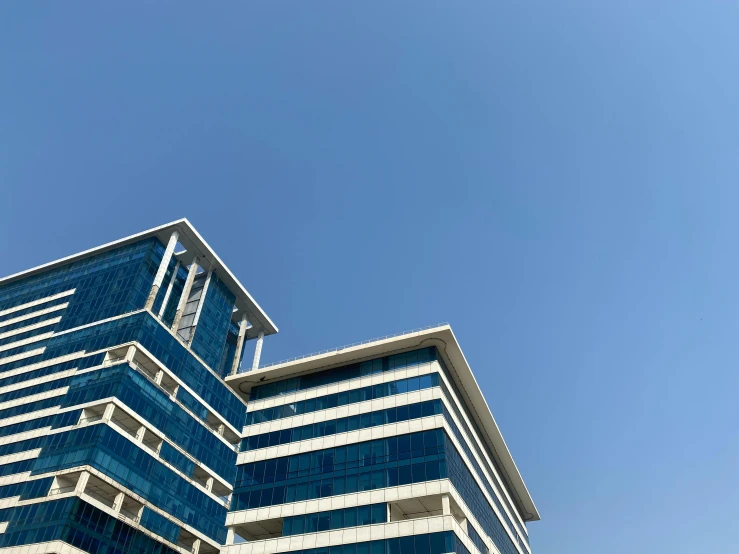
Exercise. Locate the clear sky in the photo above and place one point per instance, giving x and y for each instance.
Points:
(557, 179)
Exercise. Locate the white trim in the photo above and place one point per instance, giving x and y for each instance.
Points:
(381, 432)
(34, 302)
(38, 380)
(31, 327)
(33, 398)
(340, 501)
(341, 439)
(162, 436)
(111, 481)
(352, 535)
(171, 374)
(45, 363)
(22, 355)
(34, 314)
(24, 342)
(350, 500)
(21, 418)
(478, 479)
(342, 386)
(498, 483)
(356, 408)
(20, 456)
(53, 547)
(14, 478)
(195, 245)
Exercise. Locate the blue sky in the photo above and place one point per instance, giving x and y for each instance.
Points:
(556, 179)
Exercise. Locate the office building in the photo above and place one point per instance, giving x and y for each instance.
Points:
(117, 431)
(386, 447)
(132, 421)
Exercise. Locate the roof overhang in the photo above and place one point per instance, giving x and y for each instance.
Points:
(443, 338)
(194, 245)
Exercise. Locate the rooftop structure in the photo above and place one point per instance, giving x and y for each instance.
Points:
(117, 431)
(192, 246)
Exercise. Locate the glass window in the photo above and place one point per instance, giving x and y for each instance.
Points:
(324, 520)
(350, 517)
(337, 519)
(407, 544)
(379, 513)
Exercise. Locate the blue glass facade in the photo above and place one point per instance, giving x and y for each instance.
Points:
(345, 398)
(154, 405)
(106, 285)
(101, 447)
(369, 514)
(77, 523)
(344, 424)
(143, 328)
(351, 371)
(370, 465)
(400, 460)
(92, 304)
(370, 367)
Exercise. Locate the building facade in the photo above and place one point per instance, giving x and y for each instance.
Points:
(387, 447)
(131, 422)
(117, 430)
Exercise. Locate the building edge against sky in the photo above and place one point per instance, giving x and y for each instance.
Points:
(128, 422)
(329, 434)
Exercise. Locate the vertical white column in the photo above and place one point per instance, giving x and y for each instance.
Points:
(169, 290)
(118, 502)
(258, 351)
(185, 294)
(463, 524)
(445, 507)
(130, 353)
(108, 413)
(239, 344)
(159, 277)
(200, 306)
(82, 482)
(230, 536)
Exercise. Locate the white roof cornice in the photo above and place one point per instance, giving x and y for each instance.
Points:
(194, 245)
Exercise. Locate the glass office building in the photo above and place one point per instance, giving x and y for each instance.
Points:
(387, 447)
(131, 422)
(117, 430)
